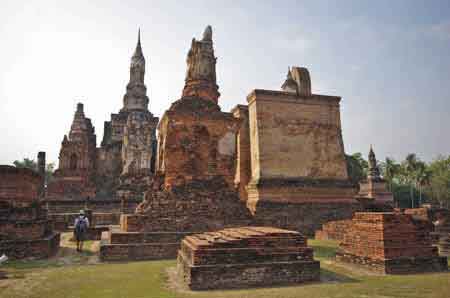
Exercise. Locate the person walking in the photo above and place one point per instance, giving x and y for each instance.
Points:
(80, 231)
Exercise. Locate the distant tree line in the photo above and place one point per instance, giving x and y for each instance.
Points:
(412, 181)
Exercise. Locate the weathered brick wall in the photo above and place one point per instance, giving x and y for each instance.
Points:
(305, 218)
(36, 248)
(294, 136)
(333, 230)
(97, 206)
(245, 257)
(71, 185)
(196, 206)
(196, 141)
(19, 186)
(25, 230)
(138, 251)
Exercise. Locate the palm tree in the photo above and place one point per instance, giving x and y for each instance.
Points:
(390, 170)
(411, 167)
(423, 176)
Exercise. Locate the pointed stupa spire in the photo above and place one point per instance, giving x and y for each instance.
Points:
(138, 51)
(136, 96)
(374, 171)
(207, 34)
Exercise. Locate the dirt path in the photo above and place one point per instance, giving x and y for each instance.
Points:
(68, 255)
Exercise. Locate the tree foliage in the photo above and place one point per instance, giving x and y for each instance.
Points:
(31, 164)
(356, 167)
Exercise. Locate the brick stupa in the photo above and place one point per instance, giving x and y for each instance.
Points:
(246, 257)
(25, 230)
(391, 243)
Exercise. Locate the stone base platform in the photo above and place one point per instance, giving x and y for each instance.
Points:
(397, 266)
(116, 245)
(246, 257)
(37, 248)
(444, 245)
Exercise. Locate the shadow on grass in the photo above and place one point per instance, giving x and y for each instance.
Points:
(334, 277)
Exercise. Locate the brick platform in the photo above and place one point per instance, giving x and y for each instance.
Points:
(125, 246)
(246, 257)
(392, 243)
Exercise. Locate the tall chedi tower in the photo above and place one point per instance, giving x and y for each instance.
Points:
(129, 142)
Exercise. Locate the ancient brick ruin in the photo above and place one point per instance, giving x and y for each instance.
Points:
(277, 162)
(391, 243)
(74, 178)
(246, 257)
(25, 229)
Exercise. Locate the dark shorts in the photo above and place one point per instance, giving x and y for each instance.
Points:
(80, 236)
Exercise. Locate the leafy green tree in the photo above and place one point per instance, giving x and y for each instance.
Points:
(410, 167)
(25, 163)
(439, 185)
(356, 167)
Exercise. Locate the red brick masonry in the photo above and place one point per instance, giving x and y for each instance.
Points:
(390, 242)
(333, 230)
(246, 257)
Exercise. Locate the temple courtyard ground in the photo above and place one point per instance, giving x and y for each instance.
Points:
(71, 275)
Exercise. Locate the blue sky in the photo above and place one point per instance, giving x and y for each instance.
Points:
(389, 60)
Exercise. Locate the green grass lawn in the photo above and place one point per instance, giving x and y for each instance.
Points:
(149, 279)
